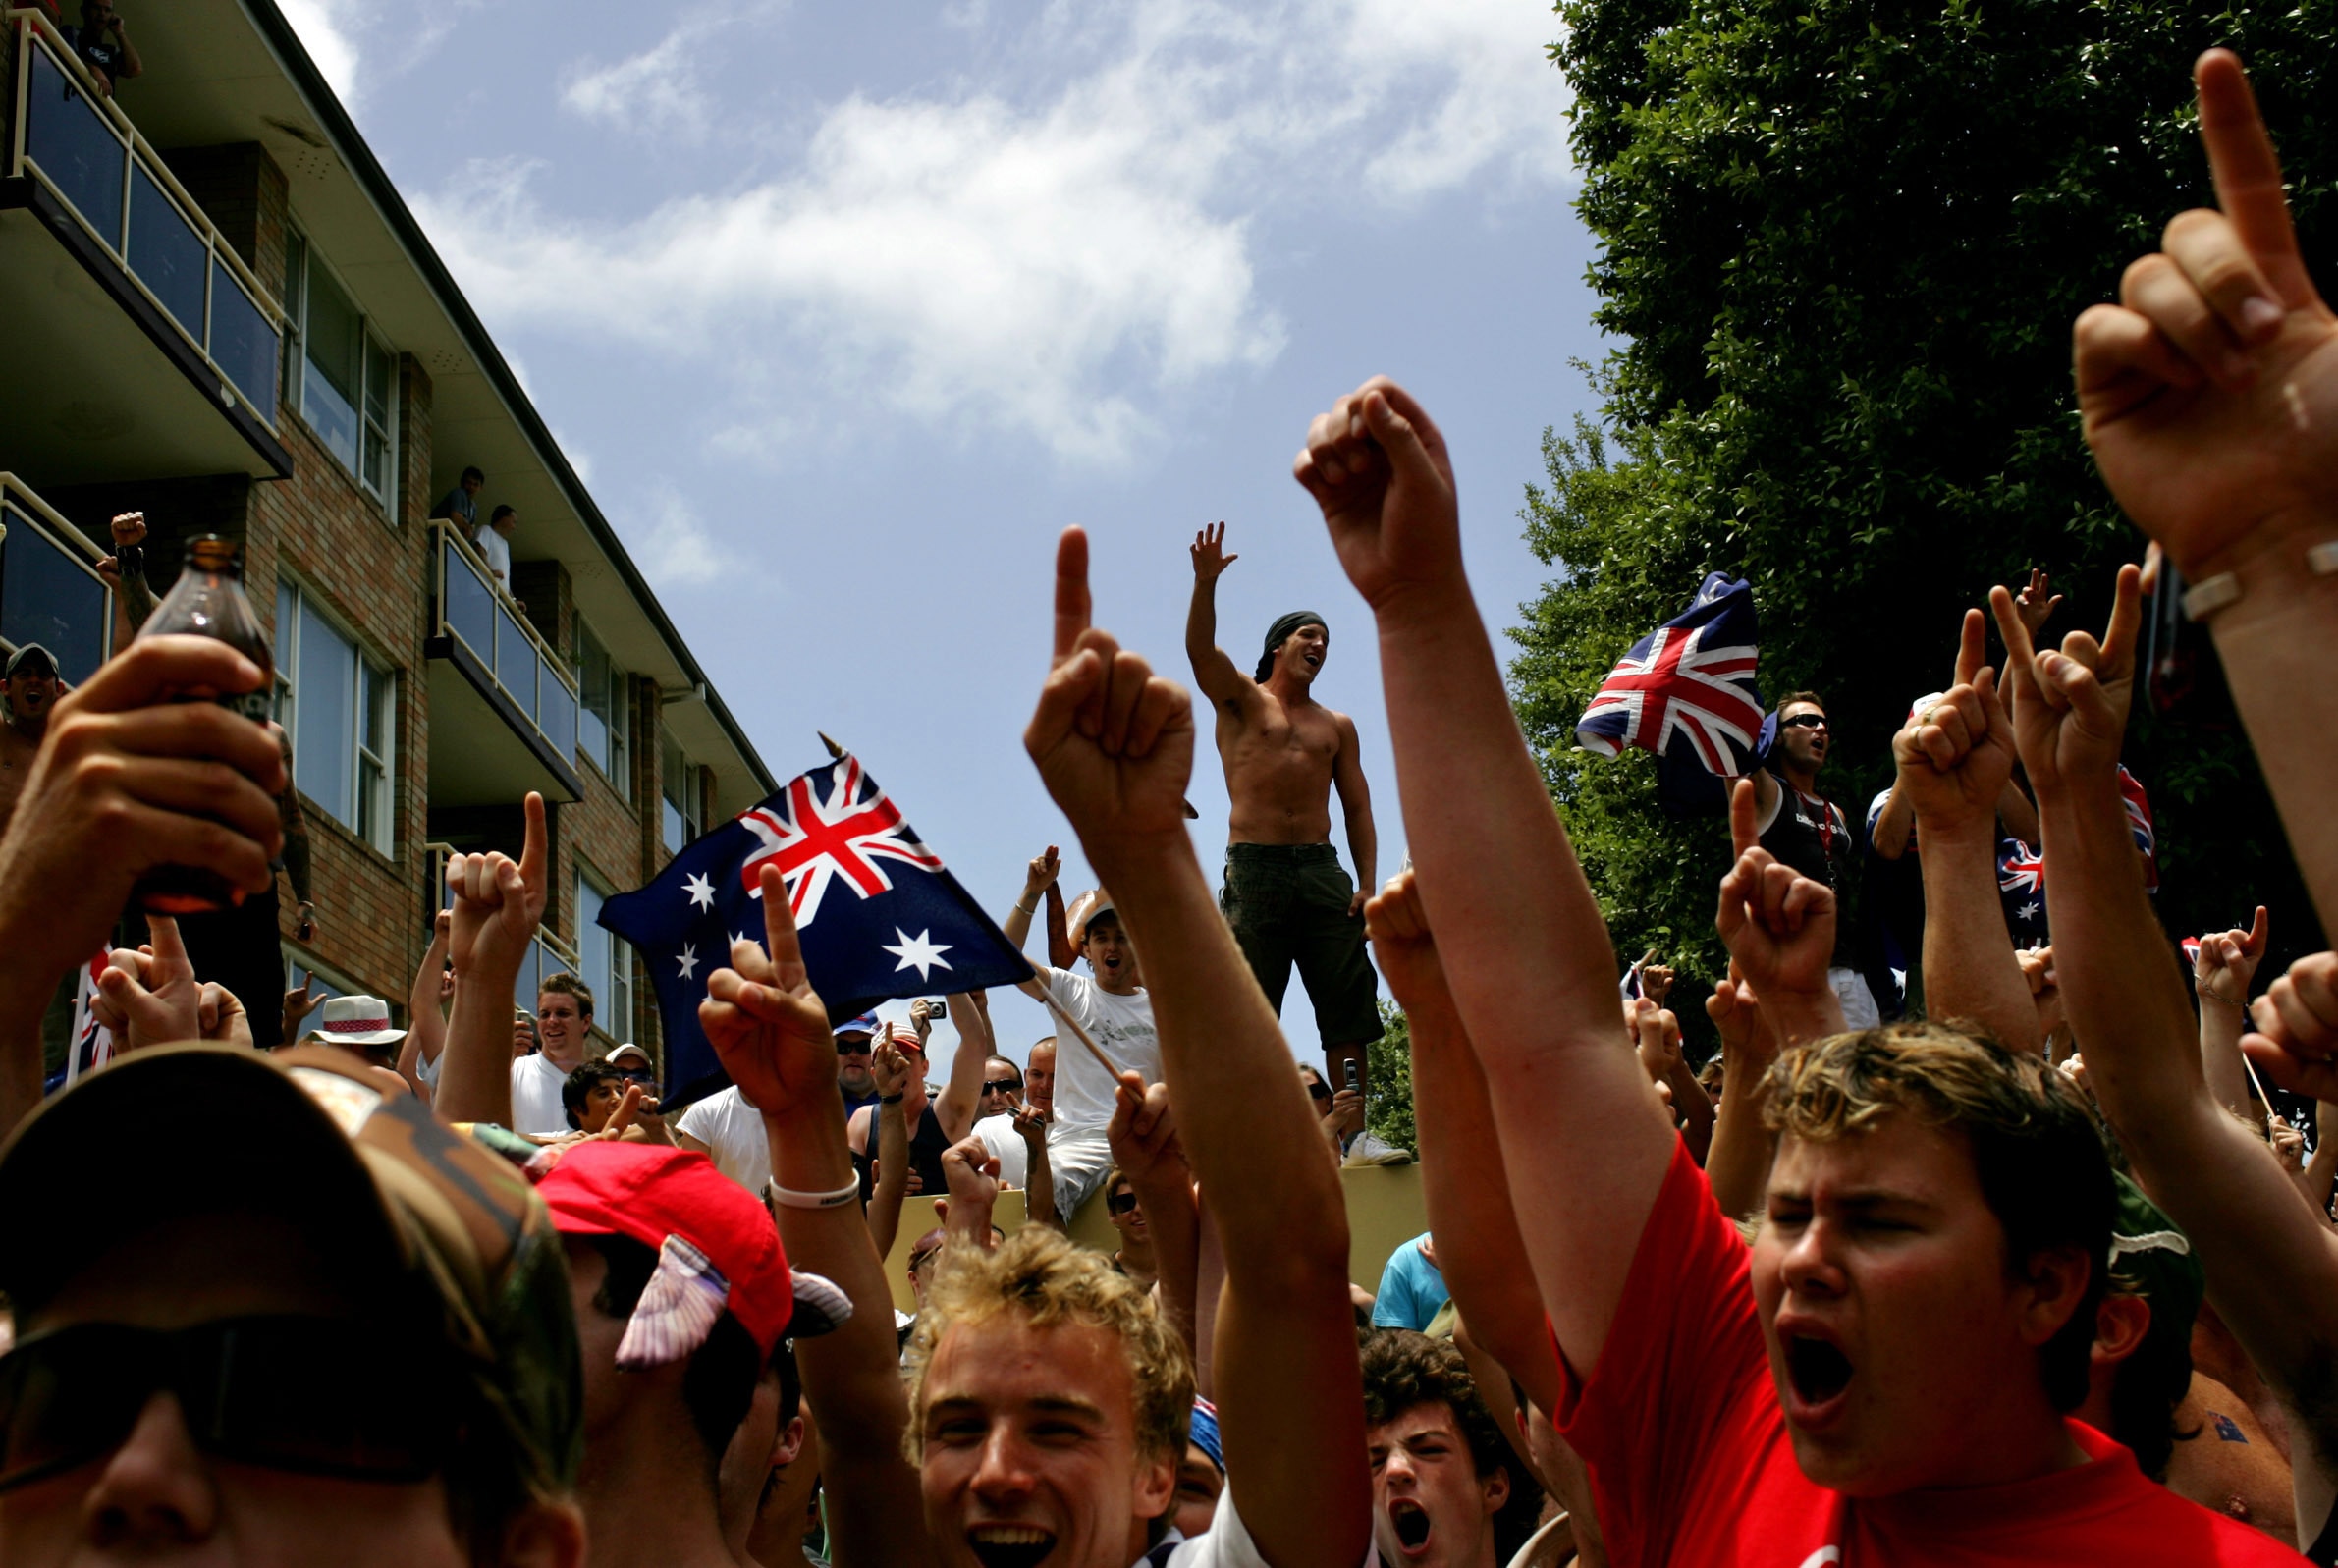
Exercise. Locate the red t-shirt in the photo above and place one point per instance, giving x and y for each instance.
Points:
(1692, 1465)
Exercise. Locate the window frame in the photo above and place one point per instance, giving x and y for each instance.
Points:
(370, 812)
(617, 766)
(612, 985)
(300, 254)
(693, 806)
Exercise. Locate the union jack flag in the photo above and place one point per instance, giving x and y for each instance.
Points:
(876, 914)
(814, 837)
(1686, 690)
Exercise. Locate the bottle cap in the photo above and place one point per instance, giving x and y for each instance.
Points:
(211, 552)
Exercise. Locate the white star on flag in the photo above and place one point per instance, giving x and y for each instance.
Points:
(920, 950)
(688, 961)
(701, 891)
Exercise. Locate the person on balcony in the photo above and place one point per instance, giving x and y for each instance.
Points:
(109, 63)
(461, 504)
(495, 543)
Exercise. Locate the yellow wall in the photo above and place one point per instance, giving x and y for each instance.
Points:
(1383, 1212)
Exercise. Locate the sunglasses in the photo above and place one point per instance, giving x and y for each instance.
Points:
(301, 1395)
(1002, 1086)
(1317, 1088)
(1120, 1203)
(853, 1047)
(642, 1076)
(1804, 721)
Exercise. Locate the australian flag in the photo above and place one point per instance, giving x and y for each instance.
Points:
(876, 914)
(1686, 692)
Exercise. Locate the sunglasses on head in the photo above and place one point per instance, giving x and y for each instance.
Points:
(1002, 1086)
(1804, 721)
(1118, 1203)
(302, 1394)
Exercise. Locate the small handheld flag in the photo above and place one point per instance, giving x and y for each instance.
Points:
(1686, 690)
(876, 912)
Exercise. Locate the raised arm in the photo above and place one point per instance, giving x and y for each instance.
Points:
(890, 1069)
(1355, 807)
(2220, 978)
(498, 905)
(2209, 396)
(125, 779)
(1039, 877)
(1954, 761)
(1525, 951)
(1463, 1180)
(425, 1009)
(1738, 1162)
(771, 1031)
(1221, 679)
(1144, 1142)
(961, 1096)
(1114, 745)
(2270, 1267)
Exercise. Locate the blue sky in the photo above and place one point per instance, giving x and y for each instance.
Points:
(843, 312)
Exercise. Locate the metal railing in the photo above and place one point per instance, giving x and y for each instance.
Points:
(547, 955)
(50, 592)
(79, 144)
(480, 614)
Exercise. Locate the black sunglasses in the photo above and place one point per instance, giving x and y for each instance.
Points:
(1118, 1203)
(302, 1394)
(640, 1075)
(1002, 1086)
(1317, 1088)
(854, 1047)
(1804, 721)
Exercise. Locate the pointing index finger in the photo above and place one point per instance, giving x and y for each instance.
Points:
(1073, 605)
(1742, 835)
(2247, 174)
(778, 930)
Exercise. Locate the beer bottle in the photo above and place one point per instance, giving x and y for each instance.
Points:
(207, 601)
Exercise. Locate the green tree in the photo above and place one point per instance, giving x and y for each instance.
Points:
(1842, 246)
(1388, 1069)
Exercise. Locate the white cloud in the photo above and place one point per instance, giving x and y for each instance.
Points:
(325, 28)
(675, 549)
(1052, 255)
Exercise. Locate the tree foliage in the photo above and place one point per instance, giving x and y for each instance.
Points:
(1388, 1069)
(1842, 244)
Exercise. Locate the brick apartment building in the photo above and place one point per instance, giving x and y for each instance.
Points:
(215, 308)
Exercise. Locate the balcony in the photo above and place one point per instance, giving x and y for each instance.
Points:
(547, 955)
(503, 704)
(50, 592)
(147, 349)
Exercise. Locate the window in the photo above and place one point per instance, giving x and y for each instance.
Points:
(607, 963)
(604, 724)
(341, 708)
(680, 810)
(338, 372)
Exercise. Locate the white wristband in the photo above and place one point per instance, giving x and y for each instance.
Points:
(788, 1199)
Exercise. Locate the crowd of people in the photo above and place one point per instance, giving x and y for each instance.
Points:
(2021, 1280)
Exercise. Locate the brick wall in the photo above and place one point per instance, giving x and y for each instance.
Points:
(243, 191)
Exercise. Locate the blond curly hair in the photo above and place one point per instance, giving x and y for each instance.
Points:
(1041, 1276)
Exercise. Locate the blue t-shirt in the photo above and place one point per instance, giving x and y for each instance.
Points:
(1411, 1290)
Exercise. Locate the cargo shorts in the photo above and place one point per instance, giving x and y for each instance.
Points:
(1287, 904)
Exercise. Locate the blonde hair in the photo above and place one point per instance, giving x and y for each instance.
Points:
(2037, 1148)
(1041, 1276)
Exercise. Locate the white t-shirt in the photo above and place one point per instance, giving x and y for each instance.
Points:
(536, 1109)
(1227, 1543)
(1006, 1145)
(1122, 1026)
(498, 551)
(732, 1128)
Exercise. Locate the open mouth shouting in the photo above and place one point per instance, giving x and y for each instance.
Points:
(1817, 1376)
(1011, 1545)
(1412, 1525)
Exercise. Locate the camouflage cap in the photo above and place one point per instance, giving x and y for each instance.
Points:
(387, 1191)
(2152, 1258)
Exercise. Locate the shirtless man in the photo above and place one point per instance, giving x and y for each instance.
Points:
(31, 685)
(1285, 895)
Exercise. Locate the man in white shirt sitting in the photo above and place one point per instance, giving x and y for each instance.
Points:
(564, 1019)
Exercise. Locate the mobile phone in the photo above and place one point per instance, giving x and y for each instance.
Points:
(1354, 1076)
(937, 1008)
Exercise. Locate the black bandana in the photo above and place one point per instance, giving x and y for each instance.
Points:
(1279, 632)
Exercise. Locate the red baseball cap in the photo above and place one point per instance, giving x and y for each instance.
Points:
(653, 1192)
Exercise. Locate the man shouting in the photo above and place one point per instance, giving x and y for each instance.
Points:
(1285, 895)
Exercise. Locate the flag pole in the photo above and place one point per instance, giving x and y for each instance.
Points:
(834, 750)
(1079, 1034)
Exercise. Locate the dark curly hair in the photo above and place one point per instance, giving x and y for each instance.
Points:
(1404, 1369)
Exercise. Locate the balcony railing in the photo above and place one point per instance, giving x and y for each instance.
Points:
(547, 955)
(50, 592)
(79, 144)
(477, 611)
